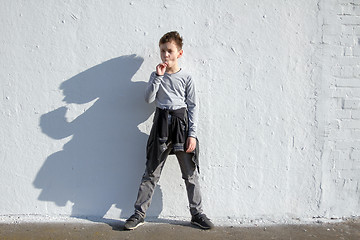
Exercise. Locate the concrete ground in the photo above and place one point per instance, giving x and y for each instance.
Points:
(349, 229)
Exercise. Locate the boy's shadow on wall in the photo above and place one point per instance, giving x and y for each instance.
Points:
(102, 163)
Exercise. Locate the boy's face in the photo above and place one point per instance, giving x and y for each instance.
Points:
(170, 53)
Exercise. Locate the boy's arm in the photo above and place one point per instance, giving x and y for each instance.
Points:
(152, 87)
(154, 82)
(192, 107)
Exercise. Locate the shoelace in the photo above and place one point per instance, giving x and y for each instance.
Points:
(135, 217)
(202, 218)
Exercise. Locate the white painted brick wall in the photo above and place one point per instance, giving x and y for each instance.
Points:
(341, 50)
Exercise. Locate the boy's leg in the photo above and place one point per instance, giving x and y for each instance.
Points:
(191, 178)
(147, 186)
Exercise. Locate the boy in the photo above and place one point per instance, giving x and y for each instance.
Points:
(173, 132)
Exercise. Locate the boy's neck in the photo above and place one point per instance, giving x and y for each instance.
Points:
(172, 70)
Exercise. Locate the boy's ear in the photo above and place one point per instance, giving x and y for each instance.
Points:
(180, 53)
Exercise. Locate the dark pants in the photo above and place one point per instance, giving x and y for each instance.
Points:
(189, 174)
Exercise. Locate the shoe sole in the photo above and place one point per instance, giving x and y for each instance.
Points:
(135, 226)
(197, 224)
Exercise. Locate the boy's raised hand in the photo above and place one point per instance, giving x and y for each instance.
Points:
(161, 68)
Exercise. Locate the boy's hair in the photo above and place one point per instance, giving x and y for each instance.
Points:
(172, 36)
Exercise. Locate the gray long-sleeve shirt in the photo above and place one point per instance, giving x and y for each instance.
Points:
(174, 91)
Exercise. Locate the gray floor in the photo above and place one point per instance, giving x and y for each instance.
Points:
(178, 230)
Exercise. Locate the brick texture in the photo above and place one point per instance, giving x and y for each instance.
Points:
(341, 49)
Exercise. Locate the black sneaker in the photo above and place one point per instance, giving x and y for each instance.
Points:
(133, 222)
(202, 221)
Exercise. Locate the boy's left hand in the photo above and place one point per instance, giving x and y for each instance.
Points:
(190, 144)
